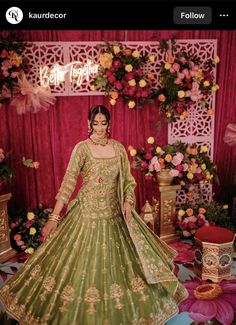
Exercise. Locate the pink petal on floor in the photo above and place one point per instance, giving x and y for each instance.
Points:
(203, 310)
(186, 304)
(231, 299)
(225, 313)
(228, 287)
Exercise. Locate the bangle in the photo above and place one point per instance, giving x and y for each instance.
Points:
(54, 217)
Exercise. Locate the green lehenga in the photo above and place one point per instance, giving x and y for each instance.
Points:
(96, 269)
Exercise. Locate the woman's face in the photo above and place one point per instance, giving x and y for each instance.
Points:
(99, 125)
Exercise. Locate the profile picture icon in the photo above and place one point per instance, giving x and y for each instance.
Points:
(14, 15)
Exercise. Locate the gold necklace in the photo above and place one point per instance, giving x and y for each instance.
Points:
(97, 141)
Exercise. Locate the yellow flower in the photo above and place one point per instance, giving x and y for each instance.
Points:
(158, 150)
(131, 104)
(152, 58)
(142, 83)
(225, 206)
(181, 212)
(15, 59)
(208, 176)
(215, 87)
(133, 152)
(128, 67)
(181, 93)
(116, 49)
(190, 175)
(202, 210)
(203, 149)
(32, 231)
(203, 166)
(136, 54)
(168, 114)
(168, 66)
(161, 97)
(181, 117)
(132, 82)
(92, 87)
(150, 140)
(206, 83)
(112, 102)
(105, 60)
(216, 59)
(30, 215)
(29, 250)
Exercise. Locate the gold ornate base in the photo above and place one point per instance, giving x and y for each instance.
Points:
(7, 255)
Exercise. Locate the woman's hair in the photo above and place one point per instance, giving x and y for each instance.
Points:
(98, 109)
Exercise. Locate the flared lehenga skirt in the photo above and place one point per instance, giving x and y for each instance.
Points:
(95, 272)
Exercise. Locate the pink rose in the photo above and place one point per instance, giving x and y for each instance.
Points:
(180, 168)
(174, 172)
(176, 66)
(4, 54)
(182, 59)
(118, 85)
(148, 156)
(117, 64)
(144, 164)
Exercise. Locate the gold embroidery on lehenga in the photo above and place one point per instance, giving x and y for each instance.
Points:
(92, 297)
(48, 285)
(66, 296)
(138, 286)
(116, 293)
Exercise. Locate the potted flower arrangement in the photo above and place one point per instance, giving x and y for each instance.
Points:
(121, 75)
(186, 164)
(25, 228)
(191, 216)
(7, 172)
(185, 80)
(12, 64)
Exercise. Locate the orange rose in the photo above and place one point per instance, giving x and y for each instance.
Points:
(193, 151)
(189, 212)
(127, 51)
(17, 237)
(201, 210)
(168, 158)
(161, 162)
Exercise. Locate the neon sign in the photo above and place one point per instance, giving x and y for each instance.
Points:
(77, 72)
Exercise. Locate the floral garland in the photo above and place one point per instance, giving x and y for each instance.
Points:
(191, 217)
(12, 64)
(185, 81)
(26, 229)
(121, 75)
(187, 164)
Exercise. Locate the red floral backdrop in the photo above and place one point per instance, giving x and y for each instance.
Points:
(49, 137)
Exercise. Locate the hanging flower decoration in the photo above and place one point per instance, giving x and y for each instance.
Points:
(121, 75)
(12, 63)
(188, 165)
(185, 81)
(14, 86)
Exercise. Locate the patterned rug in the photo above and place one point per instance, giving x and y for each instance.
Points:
(183, 270)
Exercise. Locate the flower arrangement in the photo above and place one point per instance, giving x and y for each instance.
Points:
(26, 228)
(193, 216)
(7, 172)
(12, 64)
(187, 164)
(185, 80)
(121, 75)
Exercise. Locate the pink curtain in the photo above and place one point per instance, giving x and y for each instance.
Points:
(49, 137)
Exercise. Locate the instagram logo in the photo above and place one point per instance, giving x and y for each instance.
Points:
(14, 15)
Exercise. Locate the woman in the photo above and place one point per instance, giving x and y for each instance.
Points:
(102, 265)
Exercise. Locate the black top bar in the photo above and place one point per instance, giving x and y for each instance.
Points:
(120, 15)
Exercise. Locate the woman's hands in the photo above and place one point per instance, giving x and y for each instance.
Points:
(49, 229)
(127, 211)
